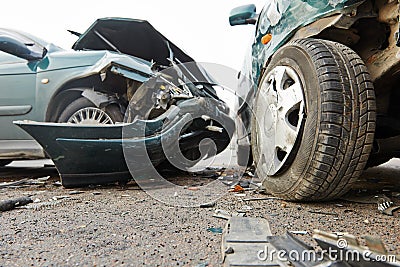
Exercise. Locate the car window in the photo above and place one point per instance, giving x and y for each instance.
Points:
(6, 58)
(19, 45)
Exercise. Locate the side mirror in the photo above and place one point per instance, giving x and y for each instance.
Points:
(18, 49)
(243, 15)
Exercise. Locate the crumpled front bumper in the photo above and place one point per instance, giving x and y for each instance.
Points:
(95, 154)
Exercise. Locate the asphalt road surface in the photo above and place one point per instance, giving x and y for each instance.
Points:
(115, 225)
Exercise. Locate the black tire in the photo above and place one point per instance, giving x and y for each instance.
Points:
(334, 144)
(244, 156)
(4, 162)
(112, 110)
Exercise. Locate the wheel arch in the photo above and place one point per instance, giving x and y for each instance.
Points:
(99, 92)
(67, 93)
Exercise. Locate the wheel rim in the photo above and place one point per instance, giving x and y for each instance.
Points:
(279, 110)
(90, 116)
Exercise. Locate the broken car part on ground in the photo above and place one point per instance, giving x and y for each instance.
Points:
(248, 241)
(320, 93)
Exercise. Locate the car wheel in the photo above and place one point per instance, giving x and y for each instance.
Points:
(4, 162)
(314, 121)
(82, 111)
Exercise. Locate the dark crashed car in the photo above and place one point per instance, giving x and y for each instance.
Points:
(82, 96)
(321, 90)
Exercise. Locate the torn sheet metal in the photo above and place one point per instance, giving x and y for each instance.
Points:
(249, 242)
(245, 242)
(373, 254)
(289, 244)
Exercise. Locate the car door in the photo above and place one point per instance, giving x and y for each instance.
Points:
(18, 58)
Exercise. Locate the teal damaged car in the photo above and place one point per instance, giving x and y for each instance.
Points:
(91, 84)
(121, 70)
(319, 93)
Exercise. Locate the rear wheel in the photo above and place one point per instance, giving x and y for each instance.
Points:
(82, 111)
(4, 162)
(314, 121)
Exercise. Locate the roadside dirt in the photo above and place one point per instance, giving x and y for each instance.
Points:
(114, 225)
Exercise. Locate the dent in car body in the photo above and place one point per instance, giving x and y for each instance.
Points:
(282, 18)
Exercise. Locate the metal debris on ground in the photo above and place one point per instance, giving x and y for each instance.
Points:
(260, 199)
(323, 212)
(228, 180)
(249, 242)
(226, 215)
(243, 237)
(11, 204)
(360, 256)
(25, 182)
(222, 214)
(385, 205)
(43, 179)
(208, 205)
(57, 183)
(392, 211)
(59, 197)
(45, 204)
(15, 183)
(76, 192)
(346, 244)
(299, 232)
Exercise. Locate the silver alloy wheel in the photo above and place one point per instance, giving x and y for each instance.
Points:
(90, 115)
(279, 111)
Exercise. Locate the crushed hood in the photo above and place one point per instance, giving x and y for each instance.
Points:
(130, 36)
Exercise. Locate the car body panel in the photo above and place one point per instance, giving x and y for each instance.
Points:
(99, 154)
(29, 86)
(58, 68)
(282, 19)
(133, 37)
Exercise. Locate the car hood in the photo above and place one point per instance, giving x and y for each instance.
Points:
(132, 37)
(64, 59)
